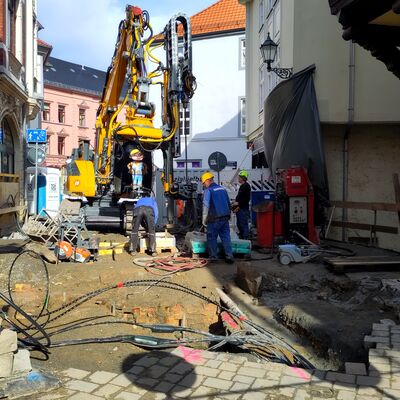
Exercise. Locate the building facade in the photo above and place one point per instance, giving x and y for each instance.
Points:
(356, 97)
(216, 118)
(71, 98)
(20, 88)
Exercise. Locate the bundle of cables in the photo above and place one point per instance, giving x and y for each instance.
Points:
(37, 332)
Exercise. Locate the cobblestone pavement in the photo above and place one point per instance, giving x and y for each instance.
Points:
(195, 374)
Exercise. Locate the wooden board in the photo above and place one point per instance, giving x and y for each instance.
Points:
(340, 264)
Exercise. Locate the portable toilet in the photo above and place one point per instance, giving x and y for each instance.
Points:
(48, 189)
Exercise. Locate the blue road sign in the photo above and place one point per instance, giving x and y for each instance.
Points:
(1, 136)
(36, 135)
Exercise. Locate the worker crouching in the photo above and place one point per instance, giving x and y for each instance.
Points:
(216, 215)
(145, 213)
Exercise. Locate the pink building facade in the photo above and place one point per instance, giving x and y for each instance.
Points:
(71, 99)
(67, 117)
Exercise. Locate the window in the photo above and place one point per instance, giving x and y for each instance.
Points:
(46, 112)
(10, 25)
(61, 114)
(6, 149)
(61, 145)
(184, 121)
(180, 164)
(242, 113)
(196, 164)
(48, 144)
(82, 117)
(242, 53)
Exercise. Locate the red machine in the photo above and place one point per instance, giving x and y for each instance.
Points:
(295, 200)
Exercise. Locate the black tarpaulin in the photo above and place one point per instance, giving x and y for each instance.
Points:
(292, 133)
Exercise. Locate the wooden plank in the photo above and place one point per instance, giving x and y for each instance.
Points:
(365, 227)
(371, 260)
(10, 210)
(359, 205)
(9, 177)
(396, 186)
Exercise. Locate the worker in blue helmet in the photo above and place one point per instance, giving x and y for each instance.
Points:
(216, 215)
(241, 206)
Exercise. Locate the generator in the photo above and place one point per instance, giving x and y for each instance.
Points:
(295, 202)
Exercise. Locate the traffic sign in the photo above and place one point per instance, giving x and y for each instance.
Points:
(36, 156)
(217, 161)
(36, 135)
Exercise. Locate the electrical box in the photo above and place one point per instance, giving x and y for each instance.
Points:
(298, 210)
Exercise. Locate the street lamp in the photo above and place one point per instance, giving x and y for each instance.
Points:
(268, 51)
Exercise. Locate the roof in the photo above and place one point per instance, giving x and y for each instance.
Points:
(222, 16)
(374, 25)
(67, 75)
(44, 44)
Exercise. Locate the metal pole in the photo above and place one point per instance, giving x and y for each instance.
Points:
(36, 179)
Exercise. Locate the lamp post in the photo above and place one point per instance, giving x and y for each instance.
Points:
(268, 51)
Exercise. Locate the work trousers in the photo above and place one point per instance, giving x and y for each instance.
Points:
(221, 229)
(242, 222)
(144, 216)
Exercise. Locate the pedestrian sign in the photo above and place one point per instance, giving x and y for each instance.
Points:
(36, 135)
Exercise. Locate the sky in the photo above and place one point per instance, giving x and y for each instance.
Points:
(85, 31)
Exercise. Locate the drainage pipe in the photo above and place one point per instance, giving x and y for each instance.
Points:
(347, 131)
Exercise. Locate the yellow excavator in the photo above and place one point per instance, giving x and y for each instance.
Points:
(101, 178)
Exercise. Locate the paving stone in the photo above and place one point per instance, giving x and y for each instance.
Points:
(289, 392)
(213, 363)
(346, 395)
(169, 361)
(206, 371)
(251, 364)
(338, 377)
(318, 375)
(81, 386)
(254, 372)
(379, 360)
(102, 377)
(181, 392)
(379, 369)
(227, 366)
(173, 378)
(360, 397)
(296, 372)
(355, 368)
(123, 380)
(163, 387)
(376, 352)
(192, 380)
(107, 390)
(147, 361)
(275, 376)
(83, 396)
(243, 379)
(156, 371)
(217, 383)
(371, 340)
(380, 327)
(147, 382)
(238, 389)
(226, 375)
(209, 355)
(367, 380)
(127, 396)
(381, 346)
(204, 392)
(382, 333)
(254, 396)
(237, 359)
(392, 392)
(292, 380)
(182, 368)
(260, 384)
(75, 373)
(59, 395)
(395, 337)
(344, 386)
(135, 370)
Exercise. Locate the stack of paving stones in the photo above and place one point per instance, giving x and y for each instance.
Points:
(196, 374)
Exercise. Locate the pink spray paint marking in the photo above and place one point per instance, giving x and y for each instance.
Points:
(191, 355)
(301, 373)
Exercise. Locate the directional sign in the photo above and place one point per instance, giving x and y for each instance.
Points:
(36, 135)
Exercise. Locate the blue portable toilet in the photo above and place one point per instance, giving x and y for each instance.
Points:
(48, 189)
